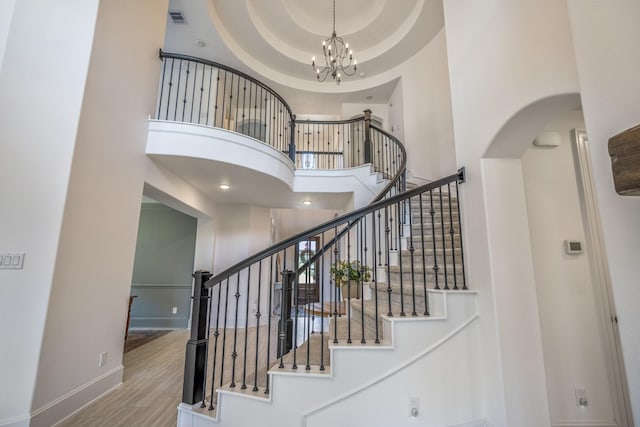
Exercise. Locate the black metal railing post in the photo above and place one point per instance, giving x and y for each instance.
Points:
(292, 139)
(367, 136)
(196, 352)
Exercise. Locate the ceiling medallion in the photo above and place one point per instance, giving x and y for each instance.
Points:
(338, 57)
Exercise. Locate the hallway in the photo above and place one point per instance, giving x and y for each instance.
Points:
(150, 392)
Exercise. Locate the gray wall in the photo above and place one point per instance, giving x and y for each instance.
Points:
(162, 268)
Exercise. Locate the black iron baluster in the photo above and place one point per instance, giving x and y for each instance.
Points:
(175, 111)
(308, 318)
(216, 335)
(186, 86)
(224, 332)
(246, 331)
(255, 372)
(234, 355)
(206, 354)
(363, 246)
(321, 281)
(236, 117)
(269, 316)
(336, 287)
(424, 263)
(296, 298)
(224, 101)
(453, 245)
(348, 300)
(387, 231)
(164, 72)
(399, 249)
(206, 122)
(464, 278)
(376, 262)
(444, 240)
(432, 212)
(193, 92)
(411, 254)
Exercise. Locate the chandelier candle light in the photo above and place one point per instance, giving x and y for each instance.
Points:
(337, 56)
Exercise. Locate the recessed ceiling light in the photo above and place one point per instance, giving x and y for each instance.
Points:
(200, 43)
(307, 202)
(225, 186)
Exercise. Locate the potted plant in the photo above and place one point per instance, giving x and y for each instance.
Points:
(349, 276)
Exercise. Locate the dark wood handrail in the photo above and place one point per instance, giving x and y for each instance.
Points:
(346, 218)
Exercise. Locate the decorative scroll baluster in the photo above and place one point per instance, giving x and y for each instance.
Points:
(234, 355)
(444, 240)
(424, 255)
(272, 275)
(432, 212)
(255, 372)
(216, 335)
(411, 253)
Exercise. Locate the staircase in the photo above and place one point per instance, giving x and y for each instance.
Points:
(261, 354)
(416, 314)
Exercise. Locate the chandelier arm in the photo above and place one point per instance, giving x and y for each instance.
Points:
(338, 58)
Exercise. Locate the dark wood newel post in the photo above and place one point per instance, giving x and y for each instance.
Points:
(367, 136)
(196, 352)
(292, 141)
(285, 324)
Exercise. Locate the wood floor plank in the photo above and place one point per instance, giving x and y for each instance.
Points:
(151, 390)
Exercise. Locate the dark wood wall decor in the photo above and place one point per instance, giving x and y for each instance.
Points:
(624, 149)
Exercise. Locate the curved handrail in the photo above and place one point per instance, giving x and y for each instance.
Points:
(162, 54)
(332, 224)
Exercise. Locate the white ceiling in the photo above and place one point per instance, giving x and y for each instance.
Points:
(274, 40)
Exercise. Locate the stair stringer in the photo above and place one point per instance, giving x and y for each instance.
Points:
(367, 384)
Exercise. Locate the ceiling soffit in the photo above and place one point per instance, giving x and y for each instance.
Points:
(277, 38)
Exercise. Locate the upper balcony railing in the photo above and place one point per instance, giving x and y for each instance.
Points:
(198, 91)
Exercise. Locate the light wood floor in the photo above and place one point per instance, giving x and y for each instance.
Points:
(150, 393)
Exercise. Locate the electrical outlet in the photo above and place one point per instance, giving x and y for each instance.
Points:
(581, 397)
(174, 310)
(414, 406)
(103, 359)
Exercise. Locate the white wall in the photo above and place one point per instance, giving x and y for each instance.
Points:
(607, 42)
(515, 297)
(499, 63)
(426, 104)
(395, 125)
(37, 160)
(378, 111)
(97, 131)
(6, 13)
(573, 340)
(242, 230)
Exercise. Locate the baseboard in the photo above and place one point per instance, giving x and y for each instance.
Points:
(584, 423)
(475, 423)
(159, 322)
(63, 407)
(20, 421)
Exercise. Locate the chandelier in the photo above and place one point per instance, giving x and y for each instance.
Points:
(337, 57)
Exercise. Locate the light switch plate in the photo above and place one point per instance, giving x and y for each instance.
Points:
(11, 260)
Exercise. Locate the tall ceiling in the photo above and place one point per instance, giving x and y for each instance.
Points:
(274, 40)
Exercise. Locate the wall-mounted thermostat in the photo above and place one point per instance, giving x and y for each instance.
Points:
(573, 247)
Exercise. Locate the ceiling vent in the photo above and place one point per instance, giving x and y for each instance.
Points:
(177, 17)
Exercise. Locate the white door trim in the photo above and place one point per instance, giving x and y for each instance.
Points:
(602, 281)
